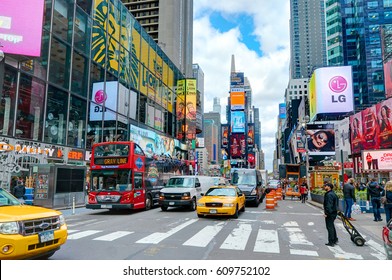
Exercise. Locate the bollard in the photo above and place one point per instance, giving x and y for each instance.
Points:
(270, 201)
(73, 205)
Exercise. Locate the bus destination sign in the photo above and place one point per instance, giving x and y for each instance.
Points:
(111, 161)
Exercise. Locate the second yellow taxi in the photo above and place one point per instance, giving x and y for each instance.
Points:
(221, 200)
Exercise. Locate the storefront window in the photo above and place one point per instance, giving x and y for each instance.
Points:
(30, 108)
(76, 124)
(56, 116)
(7, 103)
(59, 64)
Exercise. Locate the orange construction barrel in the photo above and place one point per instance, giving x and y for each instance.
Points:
(279, 193)
(270, 201)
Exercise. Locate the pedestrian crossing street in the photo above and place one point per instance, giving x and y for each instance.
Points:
(238, 238)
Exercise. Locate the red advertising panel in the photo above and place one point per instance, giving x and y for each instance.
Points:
(251, 135)
(370, 128)
(384, 111)
(238, 146)
(388, 78)
(356, 133)
(225, 136)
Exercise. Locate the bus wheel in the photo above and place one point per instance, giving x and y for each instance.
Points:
(148, 203)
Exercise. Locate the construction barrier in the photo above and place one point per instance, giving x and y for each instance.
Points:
(279, 193)
(270, 201)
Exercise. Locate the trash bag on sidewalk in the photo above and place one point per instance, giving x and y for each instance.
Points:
(356, 209)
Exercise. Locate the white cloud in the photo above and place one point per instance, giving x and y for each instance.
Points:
(267, 74)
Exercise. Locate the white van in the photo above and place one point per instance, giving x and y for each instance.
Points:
(184, 191)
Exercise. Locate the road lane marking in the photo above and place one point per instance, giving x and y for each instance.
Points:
(340, 254)
(157, 237)
(113, 236)
(82, 234)
(267, 241)
(380, 252)
(303, 252)
(297, 237)
(238, 238)
(204, 236)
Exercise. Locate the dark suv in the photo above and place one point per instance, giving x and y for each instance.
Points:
(249, 181)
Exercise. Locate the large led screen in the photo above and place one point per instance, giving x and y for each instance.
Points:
(333, 90)
(321, 139)
(21, 26)
(237, 122)
(377, 160)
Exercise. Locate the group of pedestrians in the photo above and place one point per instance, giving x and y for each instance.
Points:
(376, 195)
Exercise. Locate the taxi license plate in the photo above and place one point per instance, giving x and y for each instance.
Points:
(171, 203)
(212, 211)
(46, 236)
(106, 206)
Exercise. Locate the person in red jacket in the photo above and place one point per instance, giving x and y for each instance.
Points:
(303, 190)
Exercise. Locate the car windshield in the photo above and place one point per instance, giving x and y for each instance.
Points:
(220, 192)
(6, 199)
(273, 183)
(180, 183)
(244, 178)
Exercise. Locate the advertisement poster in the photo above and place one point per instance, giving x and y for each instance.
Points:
(321, 139)
(238, 122)
(225, 136)
(235, 146)
(370, 128)
(356, 133)
(377, 160)
(384, 110)
(251, 135)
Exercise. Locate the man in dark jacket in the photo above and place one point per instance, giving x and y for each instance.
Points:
(349, 197)
(374, 191)
(19, 191)
(331, 201)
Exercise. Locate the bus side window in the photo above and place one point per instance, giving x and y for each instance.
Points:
(138, 180)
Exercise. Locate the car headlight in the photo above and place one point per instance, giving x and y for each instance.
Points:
(61, 220)
(253, 192)
(228, 204)
(201, 204)
(9, 228)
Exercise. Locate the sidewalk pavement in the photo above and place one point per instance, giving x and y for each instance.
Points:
(364, 220)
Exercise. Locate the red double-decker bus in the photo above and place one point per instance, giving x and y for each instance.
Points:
(118, 179)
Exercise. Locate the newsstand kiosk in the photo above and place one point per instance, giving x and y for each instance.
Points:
(59, 186)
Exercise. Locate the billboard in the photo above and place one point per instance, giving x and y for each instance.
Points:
(388, 78)
(342, 136)
(356, 134)
(321, 139)
(237, 146)
(377, 160)
(333, 91)
(237, 80)
(190, 109)
(251, 135)
(238, 122)
(282, 110)
(225, 135)
(237, 99)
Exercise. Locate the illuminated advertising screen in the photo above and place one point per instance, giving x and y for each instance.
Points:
(251, 135)
(356, 134)
(237, 100)
(237, 122)
(237, 80)
(190, 109)
(282, 110)
(237, 146)
(377, 160)
(225, 136)
(321, 139)
(333, 90)
(370, 128)
(21, 26)
(388, 78)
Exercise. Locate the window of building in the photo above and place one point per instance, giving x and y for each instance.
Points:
(60, 58)
(373, 16)
(76, 124)
(62, 20)
(79, 74)
(7, 101)
(29, 116)
(56, 116)
(82, 32)
(387, 3)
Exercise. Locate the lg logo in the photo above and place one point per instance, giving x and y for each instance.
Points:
(338, 84)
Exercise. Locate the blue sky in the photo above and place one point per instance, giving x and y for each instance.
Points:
(256, 32)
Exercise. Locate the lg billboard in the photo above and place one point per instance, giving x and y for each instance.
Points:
(331, 91)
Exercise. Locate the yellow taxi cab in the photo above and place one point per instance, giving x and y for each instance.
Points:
(221, 200)
(29, 232)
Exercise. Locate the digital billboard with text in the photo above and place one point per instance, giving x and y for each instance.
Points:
(237, 122)
(21, 26)
(237, 99)
(333, 91)
(377, 160)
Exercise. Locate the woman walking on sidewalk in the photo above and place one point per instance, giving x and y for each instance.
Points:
(349, 198)
(388, 202)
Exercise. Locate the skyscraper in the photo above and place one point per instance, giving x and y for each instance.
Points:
(170, 24)
(307, 37)
(216, 107)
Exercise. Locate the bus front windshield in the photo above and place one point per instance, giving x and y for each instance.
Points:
(111, 180)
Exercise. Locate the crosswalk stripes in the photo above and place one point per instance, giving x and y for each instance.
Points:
(237, 238)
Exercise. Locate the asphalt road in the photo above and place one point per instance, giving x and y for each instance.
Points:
(292, 231)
